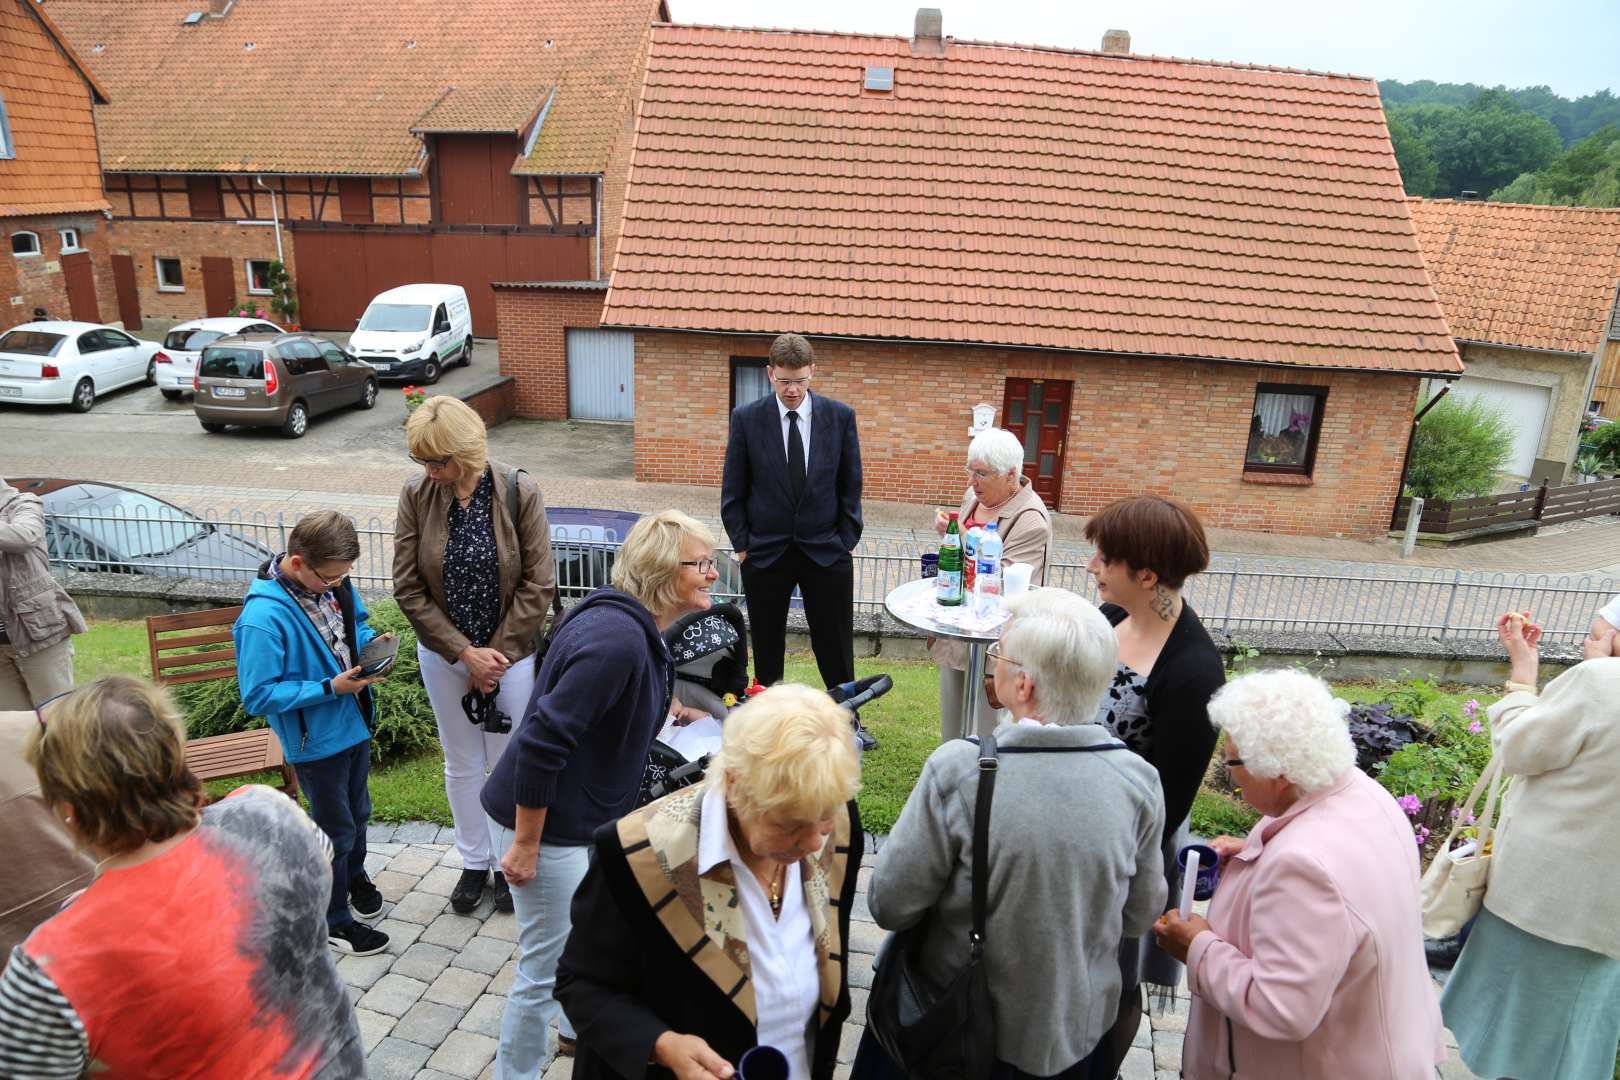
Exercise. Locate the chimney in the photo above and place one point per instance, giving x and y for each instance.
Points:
(928, 39)
(1117, 41)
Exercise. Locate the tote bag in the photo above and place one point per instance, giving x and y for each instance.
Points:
(1454, 888)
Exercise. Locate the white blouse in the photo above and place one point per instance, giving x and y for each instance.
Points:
(781, 951)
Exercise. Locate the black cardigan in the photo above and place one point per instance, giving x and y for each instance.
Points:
(624, 982)
(1184, 678)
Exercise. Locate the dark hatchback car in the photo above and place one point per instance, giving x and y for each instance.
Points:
(279, 381)
(91, 526)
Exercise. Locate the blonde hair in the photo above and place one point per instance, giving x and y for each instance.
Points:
(447, 427)
(790, 752)
(114, 751)
(648, 565)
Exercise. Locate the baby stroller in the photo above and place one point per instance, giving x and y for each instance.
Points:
(711, 663)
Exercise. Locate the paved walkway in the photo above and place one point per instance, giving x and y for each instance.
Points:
(430, 1007)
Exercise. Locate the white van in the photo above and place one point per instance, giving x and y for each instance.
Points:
(415, 331)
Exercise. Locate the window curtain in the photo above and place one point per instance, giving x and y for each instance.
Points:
(1277, 412)
(749, 383)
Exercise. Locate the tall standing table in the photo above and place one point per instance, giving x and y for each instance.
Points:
(914, 605)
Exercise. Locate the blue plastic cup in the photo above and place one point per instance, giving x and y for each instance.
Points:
(763, 1063)
(1209, 869)
(930, 565)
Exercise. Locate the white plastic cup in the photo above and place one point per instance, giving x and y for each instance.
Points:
(1015, 578)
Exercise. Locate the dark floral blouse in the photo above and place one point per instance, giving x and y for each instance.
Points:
(472, 576)
(1124, 711)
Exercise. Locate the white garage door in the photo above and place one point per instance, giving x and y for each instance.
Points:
(1526, 409)
(601, 375)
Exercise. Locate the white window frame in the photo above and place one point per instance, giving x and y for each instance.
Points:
(38, 249)
(8, 149)
(157, 268)
(69, 248)
(247, 267)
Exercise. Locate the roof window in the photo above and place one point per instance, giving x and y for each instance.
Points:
(879, 78)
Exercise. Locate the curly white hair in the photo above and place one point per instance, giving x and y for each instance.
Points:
(1286, 723)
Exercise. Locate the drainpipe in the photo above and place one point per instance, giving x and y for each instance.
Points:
(596, 249)
(275, 216)
(1406, 461)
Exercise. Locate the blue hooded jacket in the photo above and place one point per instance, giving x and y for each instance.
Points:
(285, 670)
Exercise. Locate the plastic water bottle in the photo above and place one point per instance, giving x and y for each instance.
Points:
(970, 558)
(987, 578)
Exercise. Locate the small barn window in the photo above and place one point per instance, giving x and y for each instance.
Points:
(24, 243)
(258, 277)
(1284, 429)
(170, 275)
(70, 240)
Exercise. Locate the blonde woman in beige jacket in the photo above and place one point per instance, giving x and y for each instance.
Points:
(1535, 994)
(997, 491)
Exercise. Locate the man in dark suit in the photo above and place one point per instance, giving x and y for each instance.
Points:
(791, 502)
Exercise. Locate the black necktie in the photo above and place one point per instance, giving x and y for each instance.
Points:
(795, 455)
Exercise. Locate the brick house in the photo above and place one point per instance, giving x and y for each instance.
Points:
(1530, 295)
(53, 216)
(1166, 275)
(366, 146)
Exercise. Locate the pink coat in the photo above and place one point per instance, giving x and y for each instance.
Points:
(1314, 969)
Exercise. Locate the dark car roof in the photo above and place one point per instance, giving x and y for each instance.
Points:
(35, 485)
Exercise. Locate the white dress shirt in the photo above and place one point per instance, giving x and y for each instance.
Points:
(1610, 612)
(781, 951)
(804, 425)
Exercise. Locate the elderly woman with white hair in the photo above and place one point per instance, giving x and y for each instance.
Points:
(717, 918)
(1310, 964)
(1063, 887)
(999, 493)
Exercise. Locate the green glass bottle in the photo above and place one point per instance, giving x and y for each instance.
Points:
(948, 587)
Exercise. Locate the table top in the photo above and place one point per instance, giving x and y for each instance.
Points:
(913, 604)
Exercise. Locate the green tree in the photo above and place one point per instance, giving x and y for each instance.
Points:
(1588, 174)
(1459, 448)
(1418, 171)
(1484, 146)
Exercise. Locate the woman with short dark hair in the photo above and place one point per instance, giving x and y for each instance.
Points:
(1158, 705)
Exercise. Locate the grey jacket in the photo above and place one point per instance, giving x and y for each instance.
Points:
(1074, 866)
(37, 612)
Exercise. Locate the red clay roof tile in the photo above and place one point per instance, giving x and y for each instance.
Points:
(1020, 196)
(47, 96)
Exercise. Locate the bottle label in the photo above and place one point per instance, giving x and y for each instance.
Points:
(949, 588)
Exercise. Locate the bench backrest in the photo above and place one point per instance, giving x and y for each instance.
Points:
(194, 646)
(240, 753)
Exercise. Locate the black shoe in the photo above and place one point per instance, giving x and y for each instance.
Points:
(1442, 953)
(469, 890)
(501, 891)
(356, 939)
(364, 899)
(867, 740)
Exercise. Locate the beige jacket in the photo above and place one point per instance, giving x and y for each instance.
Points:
(37, 611)
(1025, 526)
(528, 573)
(42, 866)
(1554, 873)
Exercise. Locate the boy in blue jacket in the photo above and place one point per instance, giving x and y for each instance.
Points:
(298, 643)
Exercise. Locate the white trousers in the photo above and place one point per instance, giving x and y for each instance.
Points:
(470, 752)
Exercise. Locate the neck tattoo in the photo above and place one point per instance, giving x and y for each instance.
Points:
(1163, 602)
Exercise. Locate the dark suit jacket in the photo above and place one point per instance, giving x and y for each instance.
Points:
(756, 501)
(655, 946)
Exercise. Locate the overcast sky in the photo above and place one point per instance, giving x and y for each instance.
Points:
(1572, 46)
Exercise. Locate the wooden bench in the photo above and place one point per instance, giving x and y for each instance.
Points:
(196, 647)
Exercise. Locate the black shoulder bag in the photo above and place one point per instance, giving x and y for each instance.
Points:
(950, 1035)
(542, 637)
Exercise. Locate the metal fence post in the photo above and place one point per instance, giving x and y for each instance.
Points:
(1451, 601)
(1414, 515)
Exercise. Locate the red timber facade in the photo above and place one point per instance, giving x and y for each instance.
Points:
(467, 150)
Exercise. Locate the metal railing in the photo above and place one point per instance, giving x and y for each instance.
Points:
(1233, 595)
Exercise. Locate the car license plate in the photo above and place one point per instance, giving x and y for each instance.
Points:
(380, 366)
(10, 391)
(229, 391)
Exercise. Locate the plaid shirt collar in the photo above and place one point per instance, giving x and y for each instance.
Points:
(285, 580)
(321, 607)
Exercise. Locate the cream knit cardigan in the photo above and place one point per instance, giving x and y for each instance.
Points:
(1556, 869)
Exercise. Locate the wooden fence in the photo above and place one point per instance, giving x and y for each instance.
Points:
(1537, 506)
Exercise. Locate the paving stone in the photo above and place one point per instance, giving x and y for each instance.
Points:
(355, 994)
(1144, 1035)
(459, 987)
(1170, 1021)
(393, 994)
(416, 832)
(1167, 1074)
(433, 1074)
(848, 1042)
(401, 935)
(392, 885)
(865, 937)
(841, 1072)
(451, 858)
(427, 1022)
(440, 880)
(500, 924)
(857, 1004)
(389, 849)
(463, 1053)
(485, 1016)
(1138, 1065)
(364, 971)
(412, 861)
(1167, 1051)
(486, 954)
(423, 961)
(858, 909)
(378, 834)
(396, 1059)
(451, 930)
(447, 835)
(375, 864)
(860, 972)
(561, 1068)
(418, 907)
(502, 982)
(374, 1026)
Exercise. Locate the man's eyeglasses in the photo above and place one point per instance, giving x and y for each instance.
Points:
(801, 383)
(703, 565)
(431, 462)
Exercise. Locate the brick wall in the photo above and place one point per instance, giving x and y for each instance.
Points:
(532, 325)
(1174, 427)
(190, 241)
(37, 280)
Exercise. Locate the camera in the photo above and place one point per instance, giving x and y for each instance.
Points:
(482, 710)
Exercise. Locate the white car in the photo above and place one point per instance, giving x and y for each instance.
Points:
(415, 332)
(177, 360)
(70, 363)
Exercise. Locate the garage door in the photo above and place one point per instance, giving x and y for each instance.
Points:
(601, 375)
(1525, 407)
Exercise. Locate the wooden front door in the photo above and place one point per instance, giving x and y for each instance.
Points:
(129, 298)
(81, 287)
(219, 285)
(1037, 411)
